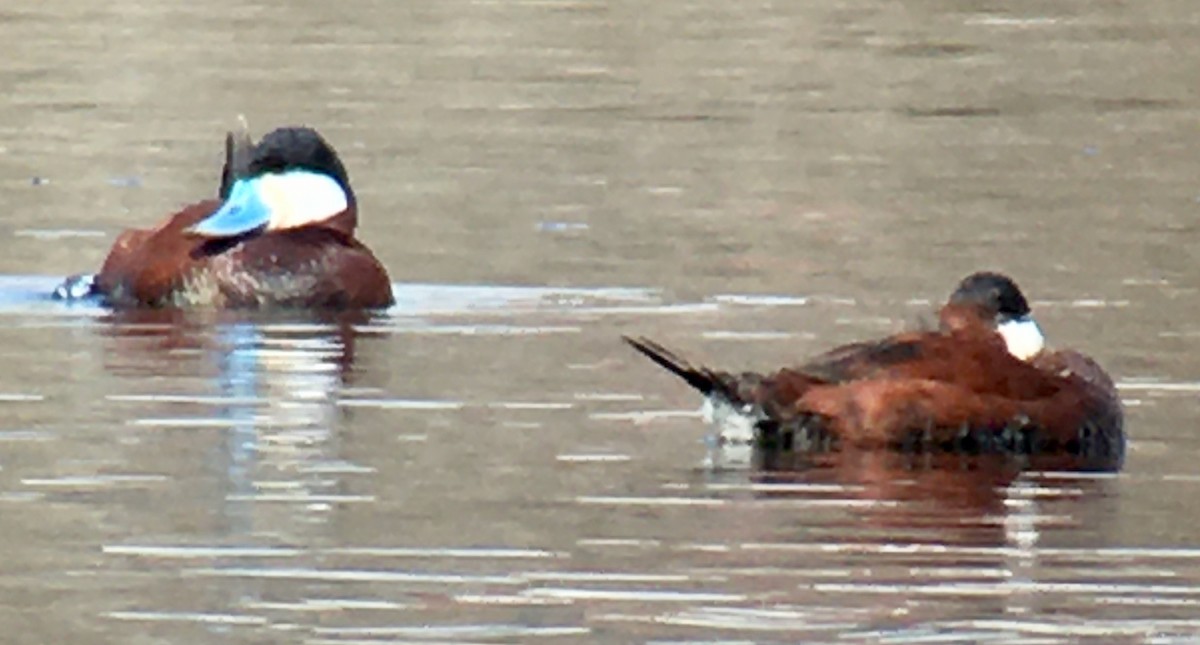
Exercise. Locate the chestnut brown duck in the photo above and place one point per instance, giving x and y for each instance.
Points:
(281, 234)
(983, 381)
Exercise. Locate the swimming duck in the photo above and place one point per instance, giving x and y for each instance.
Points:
(281, 235)
(982, 381)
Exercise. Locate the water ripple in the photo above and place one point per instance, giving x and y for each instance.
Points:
(354, 575)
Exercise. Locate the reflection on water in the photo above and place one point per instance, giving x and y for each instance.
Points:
(311, 490)
(274, 470)
(437, 473)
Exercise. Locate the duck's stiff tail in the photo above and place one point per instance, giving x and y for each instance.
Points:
(239, 152)
(706, 381)
(735, 418)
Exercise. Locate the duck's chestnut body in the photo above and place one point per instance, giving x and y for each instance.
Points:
(281, 235)
(960, 386)
(310, 267)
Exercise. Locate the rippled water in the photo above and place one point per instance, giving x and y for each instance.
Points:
(486, 462)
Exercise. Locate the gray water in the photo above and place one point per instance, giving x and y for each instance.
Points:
(748, 182)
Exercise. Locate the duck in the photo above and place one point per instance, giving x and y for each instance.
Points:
(982, 380)
(281, 234)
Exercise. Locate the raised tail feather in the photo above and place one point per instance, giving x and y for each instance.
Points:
(735, 417)
(748, 407)
(699, 378)
(239, 152)
(712, 384)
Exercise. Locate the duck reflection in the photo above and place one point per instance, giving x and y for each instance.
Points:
(270, 383)
(964, 499)
(938, 525)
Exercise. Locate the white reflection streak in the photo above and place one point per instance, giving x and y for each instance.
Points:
(1022, 534)
(272, 446)
(281, 409)
(239, 380)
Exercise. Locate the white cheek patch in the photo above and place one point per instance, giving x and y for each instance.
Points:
(299, 197)
(1023, 337)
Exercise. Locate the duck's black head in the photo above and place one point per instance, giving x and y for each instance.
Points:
(282, 149)
(1001, 300)
(994, 292)
(291, 178)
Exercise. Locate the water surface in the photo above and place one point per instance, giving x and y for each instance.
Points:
(486, 462)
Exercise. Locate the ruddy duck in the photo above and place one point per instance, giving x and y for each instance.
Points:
(983, 381)
(281, 235)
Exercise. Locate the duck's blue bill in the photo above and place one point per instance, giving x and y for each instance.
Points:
(242, 212)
